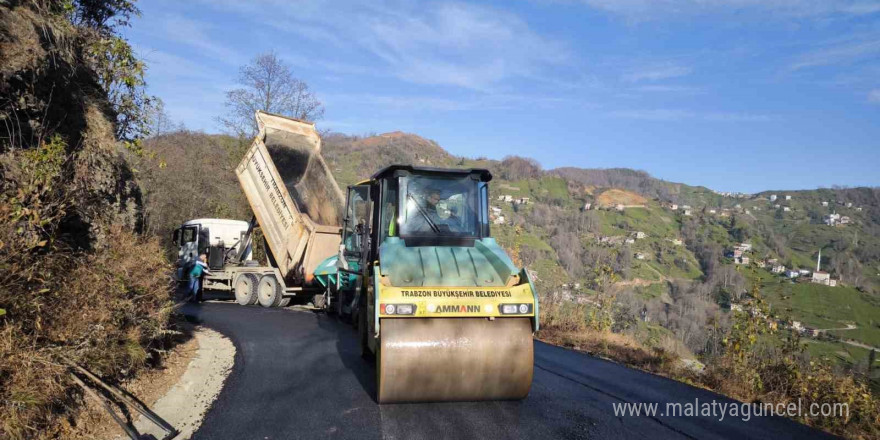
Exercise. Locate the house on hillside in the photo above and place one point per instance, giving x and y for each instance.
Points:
(792, 273)
(614, 240)
(495, 210)
(824, 203)
(786, 209)
(849, 204)
(640, 235)
(505, 198)
(844, 220)
(778, 269)
(587, 206)
(522, 201)
(619, 207)
(640, 256)
(630, 240)
(499, 220)
(787, 197)
(831, 219)
(773, 197)
(741, 260)
(712, 211)
(797, 326)
(820, 277)
(746, 247)
(687, 212)
(859, 209)
(803, 272)
(673, 207)
(676, 241)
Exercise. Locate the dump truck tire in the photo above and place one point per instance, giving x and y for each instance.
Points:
(270, 291)
(246, 289)
(454, 359)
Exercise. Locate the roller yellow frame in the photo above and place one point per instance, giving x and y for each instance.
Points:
(438, 303)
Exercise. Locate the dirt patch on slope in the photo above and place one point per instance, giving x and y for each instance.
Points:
(615, 196)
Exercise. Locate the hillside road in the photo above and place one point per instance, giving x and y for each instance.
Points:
(298, 374)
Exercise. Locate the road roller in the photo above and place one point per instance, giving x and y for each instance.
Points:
(439, 305)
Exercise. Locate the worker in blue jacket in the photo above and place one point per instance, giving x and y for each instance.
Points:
(199, 269)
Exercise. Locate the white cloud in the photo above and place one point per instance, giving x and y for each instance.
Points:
(654, 9)
(681, 115)
(839, 53)
(874, 96)
(469, 46)
(170, 66)
(420, 103)
(656, 73)
(668, 89)
(195, 34)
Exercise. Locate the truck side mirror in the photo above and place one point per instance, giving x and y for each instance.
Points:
(175, 237)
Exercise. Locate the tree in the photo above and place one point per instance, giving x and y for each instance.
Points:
(159, 121)
(518, 168)
(268, 85)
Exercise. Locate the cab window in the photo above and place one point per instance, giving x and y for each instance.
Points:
(439, 206)
(188, 234)
(357, 215)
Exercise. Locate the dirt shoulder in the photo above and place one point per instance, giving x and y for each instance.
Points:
(181, 392)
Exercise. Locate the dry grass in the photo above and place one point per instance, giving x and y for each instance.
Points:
(782, 378)
(617, 347)
(776, 377)
(107, 310)
(567, 324)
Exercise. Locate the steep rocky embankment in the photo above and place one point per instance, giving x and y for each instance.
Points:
(77, 282)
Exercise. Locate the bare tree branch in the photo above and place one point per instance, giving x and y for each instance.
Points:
(269, 85)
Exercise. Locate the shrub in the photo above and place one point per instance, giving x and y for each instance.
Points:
(107, 310)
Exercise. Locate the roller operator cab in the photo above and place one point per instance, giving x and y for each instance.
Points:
(438, 302)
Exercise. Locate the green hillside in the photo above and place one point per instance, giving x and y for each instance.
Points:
(664, 267)
(680, 262)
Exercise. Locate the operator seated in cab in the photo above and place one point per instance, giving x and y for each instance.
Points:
(432, 210)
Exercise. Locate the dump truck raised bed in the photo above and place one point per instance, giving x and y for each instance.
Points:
(297, 205)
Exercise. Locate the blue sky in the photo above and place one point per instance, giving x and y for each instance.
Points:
(736, 95)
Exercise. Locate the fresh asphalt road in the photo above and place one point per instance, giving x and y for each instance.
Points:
(299, 374)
